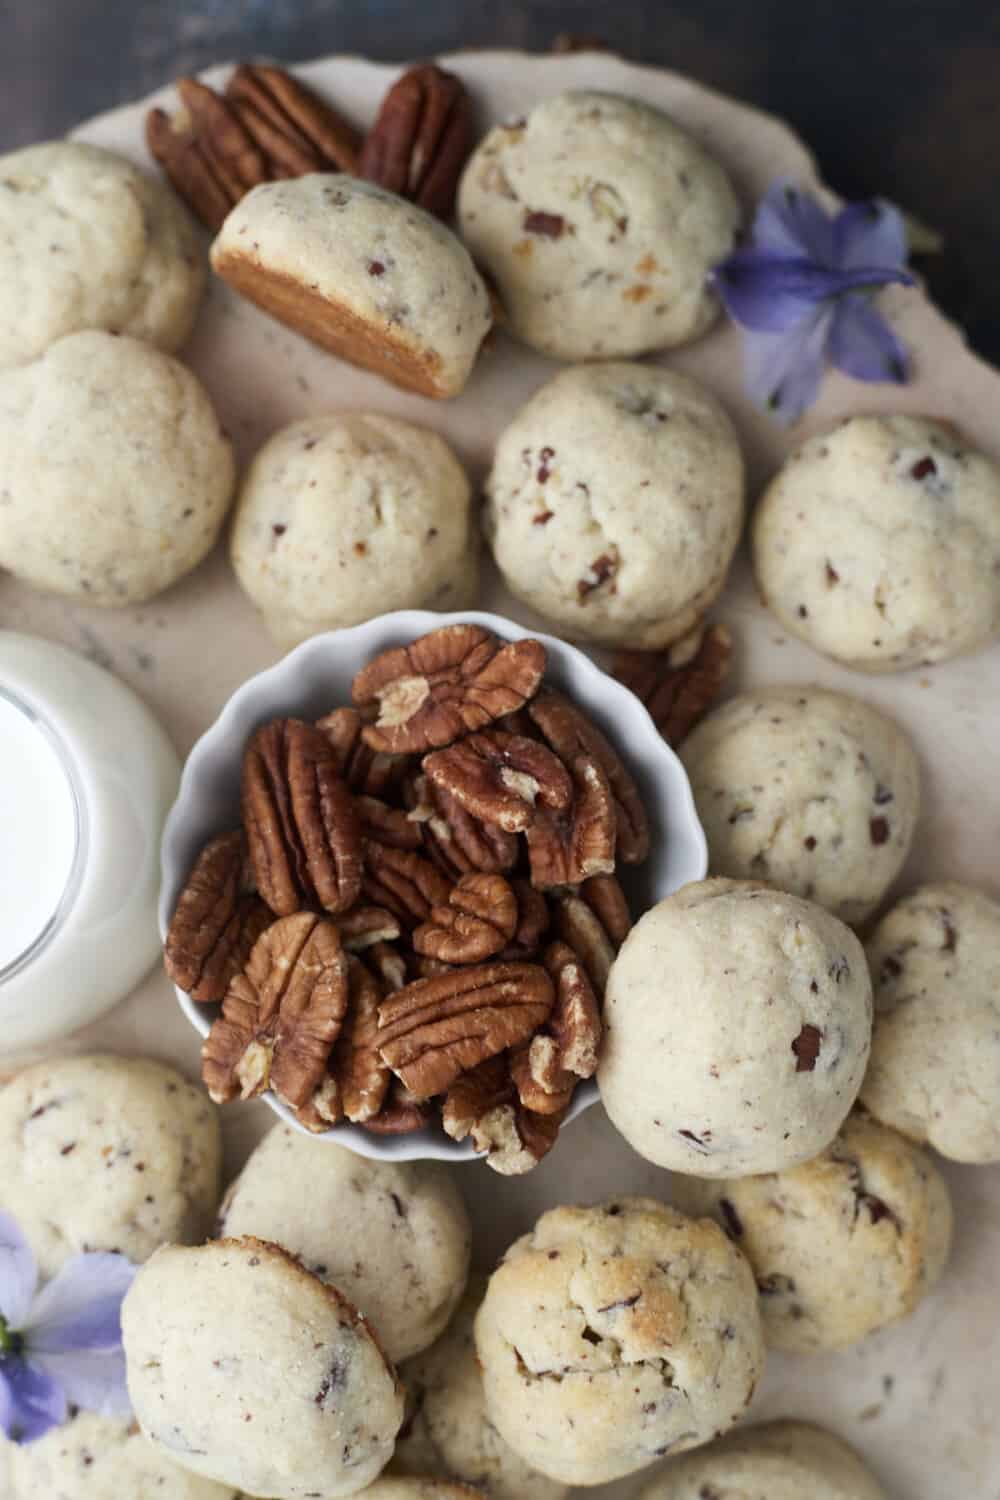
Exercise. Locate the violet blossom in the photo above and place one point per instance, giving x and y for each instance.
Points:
(803, 289)
(60, 1346)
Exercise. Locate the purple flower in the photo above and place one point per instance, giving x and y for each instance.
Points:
(60, 1346)
(803, 292)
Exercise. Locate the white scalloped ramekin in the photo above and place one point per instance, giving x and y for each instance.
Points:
(315, 678)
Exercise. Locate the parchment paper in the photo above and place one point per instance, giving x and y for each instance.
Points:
(921, 1399)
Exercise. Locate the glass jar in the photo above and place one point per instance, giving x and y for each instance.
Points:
(86, 779)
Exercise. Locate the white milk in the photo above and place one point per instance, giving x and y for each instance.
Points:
(86, 779)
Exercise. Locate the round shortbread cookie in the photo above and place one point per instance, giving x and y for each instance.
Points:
(598, 220)
(776, 1461)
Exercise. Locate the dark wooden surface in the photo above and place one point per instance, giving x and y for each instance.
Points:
(899, 97)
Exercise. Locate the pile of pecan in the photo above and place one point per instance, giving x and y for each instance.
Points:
(267, 125)
(417, 917)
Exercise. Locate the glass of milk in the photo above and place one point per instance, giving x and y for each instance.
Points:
(86, 779)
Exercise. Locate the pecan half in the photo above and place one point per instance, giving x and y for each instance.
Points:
(571, 733)
(215, 148)
(436, 1029)
(302, 830)
(450, 682)
(404, 883)
(498, 777)
(678, 686)
(533, 918)
(579, 926)
(206, 943)
(482, 1105)
(297, 131)
(421, 139)
(568, 1048)
(401, 1114)
(606, 899)
(365, 770)
(457, 842)
(357, 1080)
(387, 825)
(532, 1095)
(564, 849)
(479, 920)
(389, 964)
(281, 1016)
(365, 926)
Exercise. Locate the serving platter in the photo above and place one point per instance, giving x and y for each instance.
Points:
(918, 1400)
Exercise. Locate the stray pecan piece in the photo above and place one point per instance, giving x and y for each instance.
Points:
(216, 921)
(498, 777)
(479, 920)
(678, 686)
(302, 830)
(450, 682)
(436, 1029)
(421, 139)
(571, 733)
(564, 849)
(530, 1092)
(403, 883)
(281, 1016)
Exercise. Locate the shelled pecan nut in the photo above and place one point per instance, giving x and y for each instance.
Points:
(436, 1029)
(401, 1114)
(215, 148)
(216, 921)
(567, 848)
(421, 139)
(483, 1106)
(579, 926)
(281, 1016)
(532, 1094)
(365, 926)
(297, 131)
(606, 899)
(678, 686)
(457, 842)
(574, 1026)
(357, 1080)
(302, 830)
(571, 733)
(478, 921)
(498, 777)
(403, 882)
(389, 964)
(387, 825)
(450, 682)
(366, 771)
(533, 921)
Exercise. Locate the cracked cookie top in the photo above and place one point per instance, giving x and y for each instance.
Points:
(613, 1335)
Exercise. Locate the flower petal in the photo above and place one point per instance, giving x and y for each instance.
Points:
(789, 221)
(93, 1379)
(783, 371)
(34, 1401)
(863, 345)
(6, 1402)
(870, 234)
(80, 1308)
(773, 293)
(18, 1273)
